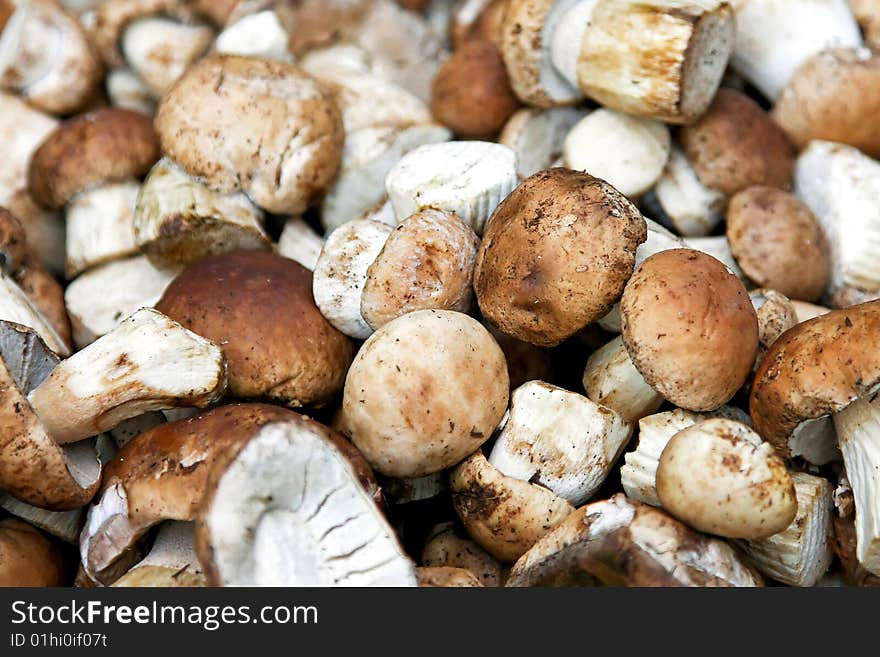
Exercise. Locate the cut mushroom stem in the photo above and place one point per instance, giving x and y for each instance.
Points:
(300, 242)
(800, 554)
(172, 560)
(147, 363)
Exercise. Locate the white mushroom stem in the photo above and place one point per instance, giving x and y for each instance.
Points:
(171, 561)
(126, 90)
(719, 248)
(841, 186)
(567, 38)
(537, 136)
(559, 440)
(16, 307)
(638, 473)
(300, 242)
(22, 130)
(147, 363)
(255, 35)
(801, 553)
(100, 225)
(815, 441)
(774, 37)
(806, 311)
(611, 379)
(692, 208)
(103, 296)
(858, 430)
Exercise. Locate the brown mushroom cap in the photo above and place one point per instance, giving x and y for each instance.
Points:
(27, 557)
(556, 255)
(424, 391)
(816, 368)
(735, 145)
(778, 242)
(447, 577)
(259, 308)
(689, 328)
(102, 146)
(259, 126)
(13, 242)
(835, 96)
(471, 94)
(426, 262)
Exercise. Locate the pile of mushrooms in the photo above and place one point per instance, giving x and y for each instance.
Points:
(440, 293)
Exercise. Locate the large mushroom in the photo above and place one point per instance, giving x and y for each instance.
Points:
(27, 558)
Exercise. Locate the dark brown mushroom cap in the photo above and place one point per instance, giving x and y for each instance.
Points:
(27, 557)
(102, 146)
(690, 328)
(834, 96)
(259, 308)
(778, 243)
(818, 367)
(735, 145)
(556, 255)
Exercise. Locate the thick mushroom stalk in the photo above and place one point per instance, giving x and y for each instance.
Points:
(147, 363)
(171, 561)
(858, 430)
(288, 510)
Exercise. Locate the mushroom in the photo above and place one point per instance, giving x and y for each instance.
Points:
(800, 554)
(778, 243)
(44, 229)
(447, 548)
(285, 507)
(504, 515)
(559, 440)
(466, 178)
(405, 419)
(45, 57)
(718, 247)
(619, 542)
(841, 185)
(22, 129)
(127, 91)
(65, 525)
(442, 576)
(820, 368)
(178, 220)
(537, 136)
(162, 474)
(805, 311)
(259, 308)
(689, 328)
(628, 152)
(27, 558)
(300, 242)
(100, 298)
(867, 13)
(844, 543)
(776, 314)
(414, 489)
(256, 35)
(556, 255)
(17, 307)
(719, 477)
(283, 156)
(171, 561)
(476, 19)
(90, 164)
(833, 97)
(471, 93)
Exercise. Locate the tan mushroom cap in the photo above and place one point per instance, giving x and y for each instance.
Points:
(778, 242)
(259, 126)
(27, 557)
(471, 93)
(106, 145)
(427, 262)
(776, 314)
(735, 145)
(689, 328)
(424, 391)
(446, 577)
(556, 255)
(505, 516)
(259, 308)
(818, 367)
(448, 546)
(835, 96)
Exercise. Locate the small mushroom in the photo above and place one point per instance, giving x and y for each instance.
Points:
(719, 477)
(300, 242)
(556, 255)
(22, 130)
(776, 315)
(684, 201)
(27, 558)
(504, 515)
(171, 561)
(405, 419)
(618, 542)
(537, 136)
(446, 548)
(689, 328)
(260, 34)
(559, 440)
(446, 577)
(44, 228)
(286, 508)
(16, 306)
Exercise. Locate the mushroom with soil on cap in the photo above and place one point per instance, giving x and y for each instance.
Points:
(285, 507)
(46, 57)
(820, 368)
(556, 256)
(424, 391)
(27, 557)
(620, 542)
(776, 314)
(259, 308)
(90, 164)
(689, 328)
(283, 156)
